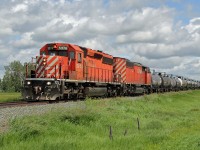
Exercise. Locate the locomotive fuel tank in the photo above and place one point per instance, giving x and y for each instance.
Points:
(139, 90)
(156, 80)
(95, 91)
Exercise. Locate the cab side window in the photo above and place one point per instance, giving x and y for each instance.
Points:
(79, 58)
(43, 53)
(52, 53)
(71, 55)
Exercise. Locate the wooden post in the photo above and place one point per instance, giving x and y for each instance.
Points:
(110, 133)
(125, 132)
(138, 123)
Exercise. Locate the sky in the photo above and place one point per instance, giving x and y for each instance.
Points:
(161, 34)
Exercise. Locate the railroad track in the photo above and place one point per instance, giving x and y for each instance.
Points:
(25, 103)
(20, 103)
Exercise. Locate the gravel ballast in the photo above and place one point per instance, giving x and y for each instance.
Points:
(9, 113)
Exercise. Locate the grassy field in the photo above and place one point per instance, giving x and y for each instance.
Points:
(167, 121)
(9, 97)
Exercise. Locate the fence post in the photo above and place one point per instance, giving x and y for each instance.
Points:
(138, 123)
(125, 132)
(110, 133)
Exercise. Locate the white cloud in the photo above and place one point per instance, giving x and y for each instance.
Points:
(5, 31)
(25, 41)
(194, 26)
(19, 7)
(131, 29)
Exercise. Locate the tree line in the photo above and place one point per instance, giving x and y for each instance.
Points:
(13, 77)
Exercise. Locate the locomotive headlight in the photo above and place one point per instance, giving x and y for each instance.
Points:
(48, 83)
(28, 83)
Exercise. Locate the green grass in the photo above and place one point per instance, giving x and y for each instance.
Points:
(9, 97)
(167, 121)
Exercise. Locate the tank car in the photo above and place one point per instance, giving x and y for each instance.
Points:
(156, 82)
(189, 84)
(166, 82)
(173, 82)
(198, 84)
(178, 84)
(195, 84)
(183, 82)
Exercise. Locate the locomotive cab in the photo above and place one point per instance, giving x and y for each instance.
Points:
(60, 61)
(53, 61)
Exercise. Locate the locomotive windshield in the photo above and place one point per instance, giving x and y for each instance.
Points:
(57, 53)
(54, 50)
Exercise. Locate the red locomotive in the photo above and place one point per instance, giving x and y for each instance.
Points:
(67, 71)
(67, 61)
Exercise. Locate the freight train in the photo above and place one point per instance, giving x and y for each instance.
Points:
(66, 71)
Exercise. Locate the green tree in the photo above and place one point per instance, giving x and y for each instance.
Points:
(14, 74)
